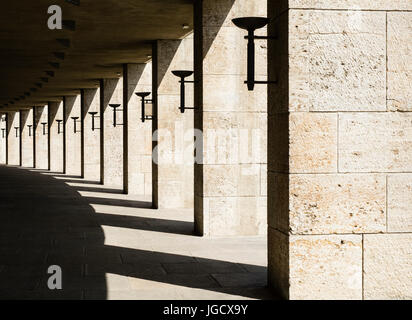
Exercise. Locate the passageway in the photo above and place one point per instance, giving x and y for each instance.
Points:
(113, 246)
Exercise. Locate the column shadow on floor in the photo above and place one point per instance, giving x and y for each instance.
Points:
(44, 222)
(102, 190)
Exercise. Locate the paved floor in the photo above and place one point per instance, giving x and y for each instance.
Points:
(113, 246)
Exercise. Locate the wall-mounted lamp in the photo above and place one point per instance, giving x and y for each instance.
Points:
(17, 131)
(30, 126)
(44, 127)
(93, 114)
(115, 106)
(75, 119)
(145, 101)
(3, 132)
(58, 128)
(182, 74)
(251, 24)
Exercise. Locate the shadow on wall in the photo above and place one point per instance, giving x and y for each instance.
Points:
(44, 222)
(10, 120)
(110, 86)
(24, 119)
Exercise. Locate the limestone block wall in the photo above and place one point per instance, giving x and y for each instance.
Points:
(13, 142)
(173, 148)
(230, 181)
(56, 139)
(3, 138)
(41, 137)
(27, 138)
(113, 136)
(91, 166)
(73, 139)
(139, 133)
(339, 149)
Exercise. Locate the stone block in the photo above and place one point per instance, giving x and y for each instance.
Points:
(328, 204)
(235, 216)
(388, 266)
(375, 142)
(325, 267)
(234, 138)
(352, 4)
(231, 180)
(400, 203)
(399, 61)
(313, 143)
(222, 43)
(335, 63)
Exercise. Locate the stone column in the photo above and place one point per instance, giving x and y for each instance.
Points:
(91, 138)
(230, 173)
(41, 137)
(27, 136)
(113, 136)
(72, 107)
(3, 138)
(340, 152)
(139, 133)
(56, 139)
(173, 131)
(13, 142)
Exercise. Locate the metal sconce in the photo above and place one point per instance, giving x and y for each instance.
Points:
(17, 131)
(93, 114)
(59, 123)
(44, 127)
(251, 24)
(115, 106)
(30, 126)
(145, 101)
(182, 74)
(75, 119)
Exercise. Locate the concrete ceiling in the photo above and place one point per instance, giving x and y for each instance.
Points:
(107, 34)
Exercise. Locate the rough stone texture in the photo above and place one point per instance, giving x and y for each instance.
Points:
(56, 139)
(399, 61)
(234, 138)
(27, 138)
(315, 267)
(388, 266)
(328, 204)
(73, 140)
(325, 267)
(313, 139)
(232, 180)
(91, 98)
(278, 201)
(13, 141)
(375, 142)
(352, 4)
(400, 203)
(246, 216)
(278, 262)
(230, 191)
(42, 161)
(337, 64)
(140, 134)
(113, 136)
(328, 164)
(174, 149)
